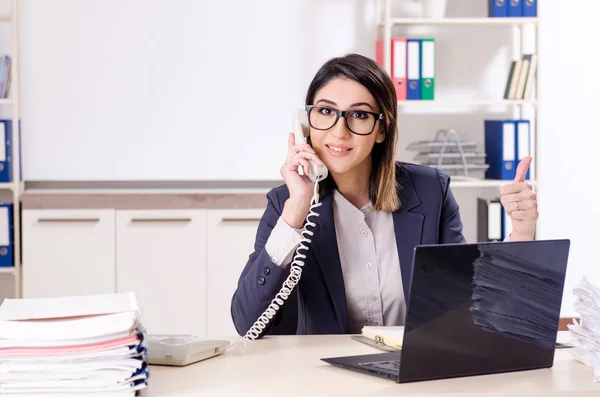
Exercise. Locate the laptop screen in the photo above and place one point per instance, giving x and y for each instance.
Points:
(483, 308)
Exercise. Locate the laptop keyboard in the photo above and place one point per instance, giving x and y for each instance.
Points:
(388, 366)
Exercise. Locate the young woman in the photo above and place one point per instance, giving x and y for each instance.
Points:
(374, 211)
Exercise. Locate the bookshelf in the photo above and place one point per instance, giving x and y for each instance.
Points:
(522, 33)
(14, 188)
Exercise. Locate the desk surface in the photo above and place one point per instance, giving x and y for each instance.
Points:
(291, 365)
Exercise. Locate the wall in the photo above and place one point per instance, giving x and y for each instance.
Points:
(568, 159)
(184, 90)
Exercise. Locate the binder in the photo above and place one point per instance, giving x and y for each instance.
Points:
(398, 64)
(489, 220)
(509, 80)
(529, 8)
(497, 8)
(5, 150)
(523, 148)
(427, 69)
(514, 8)
(500, 149)
(523, 75)
(506, 225)
(6, 235)
(413, 69)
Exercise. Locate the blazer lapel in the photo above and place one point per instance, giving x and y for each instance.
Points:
(408, 227)
(325, 249)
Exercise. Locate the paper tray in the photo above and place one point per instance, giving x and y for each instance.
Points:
(476, 171)
(450, 158)
(436, 146)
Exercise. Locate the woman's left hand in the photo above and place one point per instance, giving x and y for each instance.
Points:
(520, 202)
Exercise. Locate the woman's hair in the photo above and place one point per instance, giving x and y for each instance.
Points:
(382, 182)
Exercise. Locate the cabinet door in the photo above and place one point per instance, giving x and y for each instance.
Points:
(161, 256)
(231, 235)
(68, 252)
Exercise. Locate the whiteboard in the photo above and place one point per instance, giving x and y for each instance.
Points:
(149, 90)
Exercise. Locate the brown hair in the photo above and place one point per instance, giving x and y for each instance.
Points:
(382, 182)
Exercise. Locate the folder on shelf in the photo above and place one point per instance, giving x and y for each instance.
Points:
(513, 79)
(506, 224)
(6, 235)
(500, 149)
(523, 142)
(5, 150)
(515, 8)
(5, 75)
(489, 220)
(427, 69)
(497, 8)
(531, 71)
(413, 69)
(523, 74)
(398, 64)
(529, 8)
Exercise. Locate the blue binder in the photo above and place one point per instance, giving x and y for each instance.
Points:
(497, 8)
(523, 147)
(500, 149)
(5, 150)
(6, 235)
(413, 69)
(514, 8)
(529, 8)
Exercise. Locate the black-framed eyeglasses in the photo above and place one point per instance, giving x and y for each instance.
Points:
(359, 122)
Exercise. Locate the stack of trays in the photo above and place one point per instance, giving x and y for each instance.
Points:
(459, 159)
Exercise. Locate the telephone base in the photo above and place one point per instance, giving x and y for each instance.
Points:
(182, 350)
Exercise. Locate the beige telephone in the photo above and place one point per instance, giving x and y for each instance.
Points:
(316, 174)
(301, 128)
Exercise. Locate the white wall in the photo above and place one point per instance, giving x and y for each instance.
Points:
(569, 84)
(177, 90)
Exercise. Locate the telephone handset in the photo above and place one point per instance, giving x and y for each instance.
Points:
(301, 127)
(316, 174)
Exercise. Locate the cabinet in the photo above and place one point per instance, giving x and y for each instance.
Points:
(68, 252)
(231, 235)
(182, 264)
(161, 256)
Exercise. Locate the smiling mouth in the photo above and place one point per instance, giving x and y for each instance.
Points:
(337, 149)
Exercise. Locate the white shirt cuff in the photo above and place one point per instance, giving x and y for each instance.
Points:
(282, 243)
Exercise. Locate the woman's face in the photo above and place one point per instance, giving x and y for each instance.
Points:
(340, 149)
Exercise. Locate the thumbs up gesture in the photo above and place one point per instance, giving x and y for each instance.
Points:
(520, 202)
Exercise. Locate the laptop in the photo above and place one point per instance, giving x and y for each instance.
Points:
(476, 309)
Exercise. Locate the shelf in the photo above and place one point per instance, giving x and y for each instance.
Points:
(7, 270)
(463, 21)
(5, 101)
(5, 18)
(7, 185)
(466, 102)
(455, 183)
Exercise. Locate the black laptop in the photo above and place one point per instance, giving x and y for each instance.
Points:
(476, 309)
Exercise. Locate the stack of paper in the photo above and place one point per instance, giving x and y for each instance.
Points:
(89, 345)
(585, 334)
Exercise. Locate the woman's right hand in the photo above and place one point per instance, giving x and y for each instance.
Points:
(300, 187)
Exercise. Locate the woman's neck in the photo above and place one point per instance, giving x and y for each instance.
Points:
(354, 185)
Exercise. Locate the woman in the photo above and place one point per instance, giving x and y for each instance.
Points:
(374, 212)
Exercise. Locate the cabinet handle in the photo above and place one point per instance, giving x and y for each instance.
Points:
(161, 220)
(240, 220)
(68, 220)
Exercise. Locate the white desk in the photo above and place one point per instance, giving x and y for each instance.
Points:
(291, 366)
